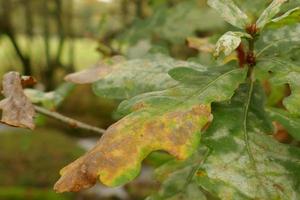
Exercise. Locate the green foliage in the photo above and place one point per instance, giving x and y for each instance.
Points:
(212, 119)
(235, 157)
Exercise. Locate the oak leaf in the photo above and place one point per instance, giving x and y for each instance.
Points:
(17, 110)
(170, 120)
(128, 78)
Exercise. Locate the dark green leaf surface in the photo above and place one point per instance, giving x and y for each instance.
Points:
(133, 77)
(244, 162)
(218, 85)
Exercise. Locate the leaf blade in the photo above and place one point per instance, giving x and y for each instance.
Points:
(290, 17)
(229, 42)
(227, 172)
(17, 110)
(269, 13)
(230, 12)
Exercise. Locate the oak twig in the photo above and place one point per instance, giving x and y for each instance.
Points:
(72, 122)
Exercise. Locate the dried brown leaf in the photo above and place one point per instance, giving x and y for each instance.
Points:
(17, 110)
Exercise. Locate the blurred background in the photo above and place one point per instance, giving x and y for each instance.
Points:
(51, 38)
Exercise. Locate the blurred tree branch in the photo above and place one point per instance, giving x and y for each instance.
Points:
(6, 28)
(71, 122)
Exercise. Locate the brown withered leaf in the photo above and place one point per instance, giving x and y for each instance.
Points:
(17, 110)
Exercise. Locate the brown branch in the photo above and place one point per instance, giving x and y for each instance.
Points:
(72, 122)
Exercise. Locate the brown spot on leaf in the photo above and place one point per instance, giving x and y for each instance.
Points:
(138, 106)
(201, 173)
(281, 134)
(17, 110)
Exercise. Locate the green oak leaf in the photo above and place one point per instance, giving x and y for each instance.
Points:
(242, 161)
(269, 13)
(230, 12)
(290, 123)
(169, 120)
(130, 78)
(290, 17)
(196, 86)
(245, 163)
(229, 42)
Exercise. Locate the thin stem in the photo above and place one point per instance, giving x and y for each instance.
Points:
(72, 122)
(251, 45)
(250, 77)
(245, 119)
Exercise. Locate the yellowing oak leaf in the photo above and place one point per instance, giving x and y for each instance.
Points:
(118, 155)
(17, 110)
(170, 120)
